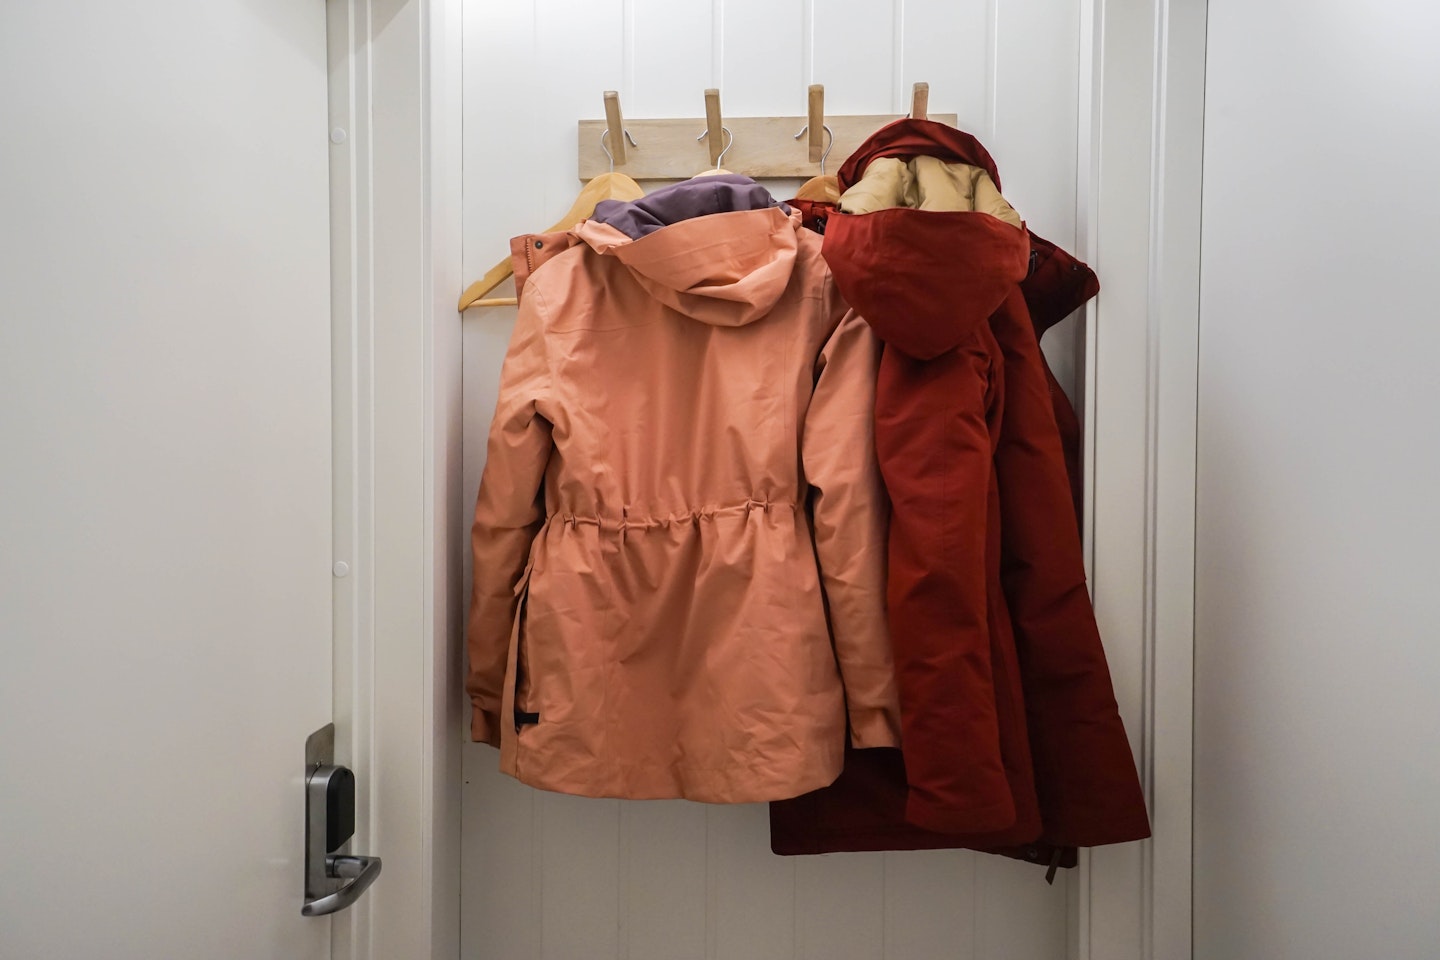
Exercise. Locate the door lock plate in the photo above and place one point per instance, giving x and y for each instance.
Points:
(333, 881)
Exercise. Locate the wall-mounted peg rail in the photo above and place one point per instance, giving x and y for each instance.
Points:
(759, 147)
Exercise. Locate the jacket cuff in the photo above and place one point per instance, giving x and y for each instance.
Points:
(873, 727)
(484, 726)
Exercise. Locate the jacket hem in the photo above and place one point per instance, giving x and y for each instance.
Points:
(995, 818)
(739, 784)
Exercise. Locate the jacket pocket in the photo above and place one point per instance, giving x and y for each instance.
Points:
(522, 715)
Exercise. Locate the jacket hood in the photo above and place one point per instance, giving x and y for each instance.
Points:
(928, 248)
(698, 253)
(916, 138)
(702, 196)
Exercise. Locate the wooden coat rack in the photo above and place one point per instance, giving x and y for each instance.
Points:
(759, 147)
(614, 154)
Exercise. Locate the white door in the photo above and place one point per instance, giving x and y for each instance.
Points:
(165, 476)
(1317, 728)
(549, 877)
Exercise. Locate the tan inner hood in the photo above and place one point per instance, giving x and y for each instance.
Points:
(927, 183)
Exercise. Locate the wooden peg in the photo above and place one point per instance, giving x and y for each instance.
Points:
(920, 101)
(815, 117)
(616, 125)
(714, 134)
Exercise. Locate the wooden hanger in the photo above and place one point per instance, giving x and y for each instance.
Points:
(823, 188)
(607, 186)
(716, 132)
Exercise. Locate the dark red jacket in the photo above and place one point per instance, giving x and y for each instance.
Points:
(1011, 734)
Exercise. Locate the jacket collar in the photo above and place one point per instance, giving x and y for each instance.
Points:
(530, 251)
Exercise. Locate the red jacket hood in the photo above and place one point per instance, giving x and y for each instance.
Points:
(925, 280)
(917, 138)
(1057, 284)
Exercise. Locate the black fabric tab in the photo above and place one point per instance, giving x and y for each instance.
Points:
(1054, 865)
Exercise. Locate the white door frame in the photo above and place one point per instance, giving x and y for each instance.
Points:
(1141, 145)
(396, 93)
(395, 193)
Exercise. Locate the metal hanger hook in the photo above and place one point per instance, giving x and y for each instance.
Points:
(605, 146)
(829, 142)
(729, 142)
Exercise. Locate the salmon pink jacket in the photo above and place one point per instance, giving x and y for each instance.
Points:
(680, 501)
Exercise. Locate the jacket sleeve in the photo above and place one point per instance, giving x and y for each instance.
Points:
(509, 512)
(937, 442)
(849, 518)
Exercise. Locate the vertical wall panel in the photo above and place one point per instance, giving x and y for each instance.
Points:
(557, 877)
(1036, 112)
(840, 907)
(929, 900)
(579, 46)
(764, 57)
(1017, 914)
(499, 49)
(1036, 124)
(854, 55)
(672, 58)
(498, 854)
(499, 870)
(947, 45)
(663, 855)
(579, 862)
(763, 49)
(752, 892)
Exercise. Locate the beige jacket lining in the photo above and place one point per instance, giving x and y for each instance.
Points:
(927, 183)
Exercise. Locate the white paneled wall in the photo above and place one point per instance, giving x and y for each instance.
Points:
(548, 877)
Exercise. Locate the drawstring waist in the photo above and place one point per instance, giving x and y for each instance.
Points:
(627, 522)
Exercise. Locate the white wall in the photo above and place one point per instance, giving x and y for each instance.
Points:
(1317, 744)
(547, 876)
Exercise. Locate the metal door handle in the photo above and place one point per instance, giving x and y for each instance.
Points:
(360, 871)
(333, 880)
